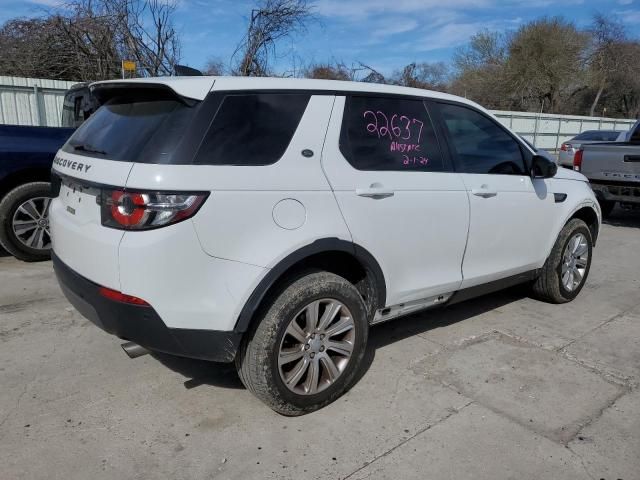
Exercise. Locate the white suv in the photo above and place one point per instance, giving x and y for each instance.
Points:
(272, 221)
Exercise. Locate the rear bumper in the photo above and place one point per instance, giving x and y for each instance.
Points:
(627, 193)
(142, 324)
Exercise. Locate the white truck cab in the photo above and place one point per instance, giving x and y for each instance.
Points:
(270, 221)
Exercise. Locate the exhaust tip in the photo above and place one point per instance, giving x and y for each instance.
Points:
(133, 350)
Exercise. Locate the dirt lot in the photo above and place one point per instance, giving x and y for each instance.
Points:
(499, 387)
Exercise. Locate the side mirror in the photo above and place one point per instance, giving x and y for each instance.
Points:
(542, 167)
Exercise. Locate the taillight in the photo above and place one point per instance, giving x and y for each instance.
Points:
(564, 147)
(577, 160)
(131, 210)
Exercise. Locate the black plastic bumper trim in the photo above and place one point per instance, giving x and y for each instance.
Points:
(142, 324)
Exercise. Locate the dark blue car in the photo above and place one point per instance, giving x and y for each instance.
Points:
(26, 155)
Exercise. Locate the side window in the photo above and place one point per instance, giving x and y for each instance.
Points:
(389, 134)
(252, 129)
(479, 144)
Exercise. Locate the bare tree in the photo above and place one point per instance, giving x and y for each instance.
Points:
(485, 48)
(142, 30)
(88, 39)
(432, 76)
(328, 71)
(94, 42)
(367, 74)
(149, 35)
(35, 48)
(607, 56)
(215, 67)
(271, 22)
(480, 70)
(544, 66)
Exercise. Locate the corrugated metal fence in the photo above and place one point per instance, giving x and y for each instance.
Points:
(548, 131)
(32, 101)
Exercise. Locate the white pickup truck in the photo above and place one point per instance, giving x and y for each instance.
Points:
(613, 169)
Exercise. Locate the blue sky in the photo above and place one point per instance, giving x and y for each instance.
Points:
(385, 34)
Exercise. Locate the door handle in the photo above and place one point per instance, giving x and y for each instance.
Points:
(484, 191)
(374, 192)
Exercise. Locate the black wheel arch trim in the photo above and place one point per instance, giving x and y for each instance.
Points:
(318, 246)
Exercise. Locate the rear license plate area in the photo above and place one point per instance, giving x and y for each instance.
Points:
(79, 200)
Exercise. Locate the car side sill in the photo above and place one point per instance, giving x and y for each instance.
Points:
(407, 308)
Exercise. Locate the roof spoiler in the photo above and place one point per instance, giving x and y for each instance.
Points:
(156, 91)
(184, 71)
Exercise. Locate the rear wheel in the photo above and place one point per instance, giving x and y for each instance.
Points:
(24, 222)
(307, 346)
(565, 271)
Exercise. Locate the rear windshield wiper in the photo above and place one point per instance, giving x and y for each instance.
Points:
(88, 148)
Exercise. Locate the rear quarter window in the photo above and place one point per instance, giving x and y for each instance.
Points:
(252, 129)
(385, 133)
(590, 135)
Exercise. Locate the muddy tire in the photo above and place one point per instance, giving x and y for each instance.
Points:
(565, 271)
(307, 345)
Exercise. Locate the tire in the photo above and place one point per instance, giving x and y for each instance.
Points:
(550, 285)
(258, 358)
(607, 207)
(22, 245)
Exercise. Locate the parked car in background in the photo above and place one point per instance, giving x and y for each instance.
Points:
(613, 170)
(570, 147)
(270, 221)
(26, 155)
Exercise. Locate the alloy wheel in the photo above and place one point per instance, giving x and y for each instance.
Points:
(574, 262)
(316, 346)
(30, 223)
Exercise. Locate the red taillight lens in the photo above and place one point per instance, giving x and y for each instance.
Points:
(127, 209)
(130, 210)
(122, 297)
(577, 160)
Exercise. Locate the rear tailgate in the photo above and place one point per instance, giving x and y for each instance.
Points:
(79, 239)
(611, 162)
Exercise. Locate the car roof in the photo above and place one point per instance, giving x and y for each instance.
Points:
(599, 131)
(198, 87)
(604, 131)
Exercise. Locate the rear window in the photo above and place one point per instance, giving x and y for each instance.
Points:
(598, 135)
(146, 130)
(252, 129)
(610, 136)
(585, 136)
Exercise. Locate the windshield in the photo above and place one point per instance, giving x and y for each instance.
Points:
(133, 130)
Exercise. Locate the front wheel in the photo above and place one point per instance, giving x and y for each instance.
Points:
(565, 271)
(307, 346)
(24, 222)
